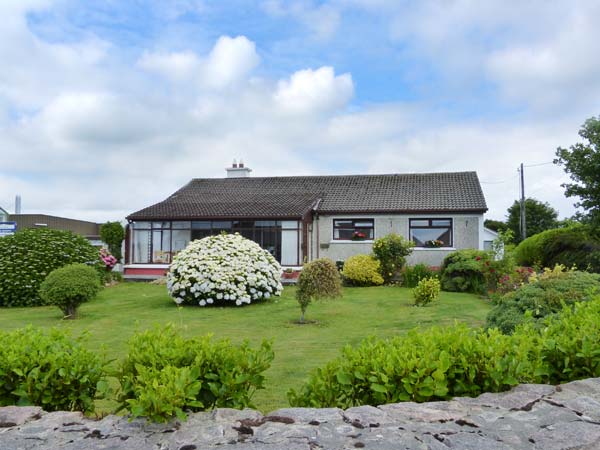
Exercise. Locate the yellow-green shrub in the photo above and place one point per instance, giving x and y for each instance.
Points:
(426, 291)
(362, 270)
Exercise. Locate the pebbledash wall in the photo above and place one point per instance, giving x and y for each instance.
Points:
(467, 232)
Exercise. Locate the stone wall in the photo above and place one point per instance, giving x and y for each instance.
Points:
(528, 417)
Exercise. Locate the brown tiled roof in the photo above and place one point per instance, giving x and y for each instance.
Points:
(275, 197)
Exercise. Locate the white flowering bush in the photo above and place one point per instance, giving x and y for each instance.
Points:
(227, 268)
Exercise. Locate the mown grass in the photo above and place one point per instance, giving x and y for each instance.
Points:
(115, 314)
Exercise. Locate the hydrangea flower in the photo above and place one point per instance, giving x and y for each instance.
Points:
(223, 269)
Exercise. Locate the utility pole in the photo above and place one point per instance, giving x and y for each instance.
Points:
(523, 221)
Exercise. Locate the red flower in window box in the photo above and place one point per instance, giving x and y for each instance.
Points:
(358, 236)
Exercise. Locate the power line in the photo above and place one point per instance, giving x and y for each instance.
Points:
(539, 164)
(499, 182)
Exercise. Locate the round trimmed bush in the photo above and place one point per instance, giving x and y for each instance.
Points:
(28, 256)
(69, 287)
(223, 269)
(572, 246)
(362, 270)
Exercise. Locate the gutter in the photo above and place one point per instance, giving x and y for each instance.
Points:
(315, 210)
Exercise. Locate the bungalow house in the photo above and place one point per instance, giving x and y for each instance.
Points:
(301, 218)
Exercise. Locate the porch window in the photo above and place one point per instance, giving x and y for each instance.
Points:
(353, 229)
(159, 242)
(431, 232)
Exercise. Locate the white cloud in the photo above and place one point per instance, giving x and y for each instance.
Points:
(314, 90)
(557, 71)
(84, 136)
(174, 66)
(229, 62)
(322, 20)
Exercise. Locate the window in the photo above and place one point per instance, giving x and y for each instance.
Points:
(353, 229)
(431, 232)
(159, 242)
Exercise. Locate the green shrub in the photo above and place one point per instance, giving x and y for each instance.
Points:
(465, 271)
(362, 270)
(391, 252)
(541, 298)
(165, 374)
(570, 343)
(319, 279)
(113, 234)
(571, 246)
(426, 291)
(440, 363)
(48, 369)
(69, 287)
(413, 274)
(28, 256)
(435, 364)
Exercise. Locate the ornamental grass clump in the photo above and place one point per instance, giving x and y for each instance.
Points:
(223, 269)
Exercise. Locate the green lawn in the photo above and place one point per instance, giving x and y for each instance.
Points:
(380, 311)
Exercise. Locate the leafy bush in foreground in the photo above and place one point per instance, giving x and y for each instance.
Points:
(542, 297)
(223, 269)
(69, 287)
(570, 343)
(435, 364)
(28, 256)
(318, 279)
(165, 374)
(362, 270)
(51, 370)
(440, 363)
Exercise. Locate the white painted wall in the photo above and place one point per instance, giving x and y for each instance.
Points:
(466, 234)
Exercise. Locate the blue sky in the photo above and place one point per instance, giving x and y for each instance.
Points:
(108, 106)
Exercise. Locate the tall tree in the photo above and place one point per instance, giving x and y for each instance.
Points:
(539, 216)
(582, 162)
(495, 225)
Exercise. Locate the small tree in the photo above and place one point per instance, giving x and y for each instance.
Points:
(113, 234)
(391, 251)
(319, 279)
(539, 216)
(69, 287)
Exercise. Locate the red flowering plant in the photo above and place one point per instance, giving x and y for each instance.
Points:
(107, 259)
(358, 236)
(512, 281)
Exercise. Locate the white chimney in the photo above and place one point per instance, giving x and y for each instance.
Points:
(18, 204)
(238, 170)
